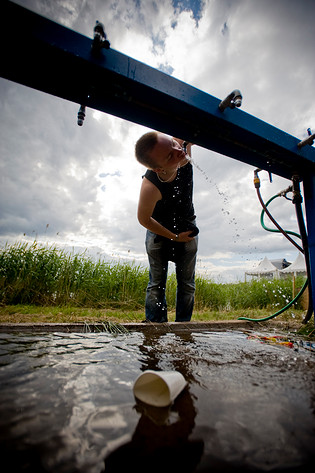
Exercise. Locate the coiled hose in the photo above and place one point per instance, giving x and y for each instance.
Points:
(286, 233)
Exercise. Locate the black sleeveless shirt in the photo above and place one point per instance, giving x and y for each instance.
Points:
(175, 211)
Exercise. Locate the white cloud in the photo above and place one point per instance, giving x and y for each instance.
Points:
(84, 181)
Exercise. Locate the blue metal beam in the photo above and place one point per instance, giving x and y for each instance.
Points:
(44, 55)
(47, 56)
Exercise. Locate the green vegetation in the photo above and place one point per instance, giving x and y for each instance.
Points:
(61, 287)
(36, 275)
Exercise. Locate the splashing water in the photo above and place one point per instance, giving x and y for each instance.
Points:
(222, 195)
(231, 221)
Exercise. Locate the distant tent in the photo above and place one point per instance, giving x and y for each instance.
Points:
(297, 268)
(265, 269)
(280, 263)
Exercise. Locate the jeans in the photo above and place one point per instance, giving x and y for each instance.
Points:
(160, 251)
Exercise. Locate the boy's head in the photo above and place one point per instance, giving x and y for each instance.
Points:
(160, 152)
(143, 148)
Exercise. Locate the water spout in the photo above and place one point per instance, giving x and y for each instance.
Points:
(234, 99)
(307, 141)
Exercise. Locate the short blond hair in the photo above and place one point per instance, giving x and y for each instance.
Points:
(143, 148)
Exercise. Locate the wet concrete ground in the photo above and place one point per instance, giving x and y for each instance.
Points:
(67, 402)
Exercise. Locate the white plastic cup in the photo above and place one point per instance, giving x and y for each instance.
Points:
(158, 388)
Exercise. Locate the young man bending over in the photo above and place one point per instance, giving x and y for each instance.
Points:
(166, 210)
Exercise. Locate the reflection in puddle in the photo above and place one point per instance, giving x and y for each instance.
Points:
(67, 403)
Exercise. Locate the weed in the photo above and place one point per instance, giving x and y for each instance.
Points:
(45, 276)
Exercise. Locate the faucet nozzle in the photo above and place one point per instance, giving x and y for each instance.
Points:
(81, 115)
(234, 99)
(307, 141)
(100, 40)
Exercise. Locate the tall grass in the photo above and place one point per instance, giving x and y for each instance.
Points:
(256, 294)
(33, 274)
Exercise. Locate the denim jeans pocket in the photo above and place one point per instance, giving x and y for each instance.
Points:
(151, 243)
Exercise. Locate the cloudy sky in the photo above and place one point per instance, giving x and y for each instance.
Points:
(79, 186)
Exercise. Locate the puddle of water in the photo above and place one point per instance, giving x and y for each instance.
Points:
(67, 403)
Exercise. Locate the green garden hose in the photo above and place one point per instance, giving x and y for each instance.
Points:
(285, 233)
(288, 232)
(279, 311)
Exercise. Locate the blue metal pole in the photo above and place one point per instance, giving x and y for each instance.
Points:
(309, 200)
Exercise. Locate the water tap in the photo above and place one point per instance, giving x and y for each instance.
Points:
(99, 40)
(184, 147)
(81, 115)
(234, 99)
(307, 141)
(256, 178)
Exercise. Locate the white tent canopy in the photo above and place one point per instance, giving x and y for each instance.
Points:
(264, 269)
(297, 267)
